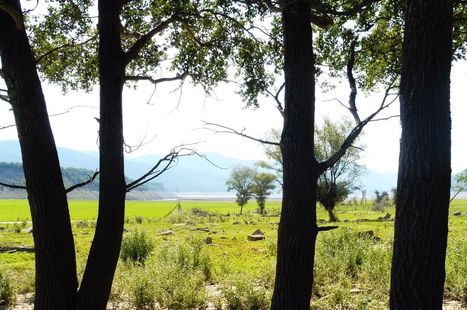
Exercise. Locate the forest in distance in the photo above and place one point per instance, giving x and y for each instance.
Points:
(312, 249)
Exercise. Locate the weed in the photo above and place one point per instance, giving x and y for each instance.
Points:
(136, 247)
(139, 219)
(244, 292)
(7, 295)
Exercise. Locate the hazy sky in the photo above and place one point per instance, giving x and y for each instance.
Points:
(170, 118)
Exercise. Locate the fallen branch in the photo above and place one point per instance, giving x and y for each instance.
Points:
(13, 249)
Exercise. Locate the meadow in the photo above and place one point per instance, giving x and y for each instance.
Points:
(197, 255)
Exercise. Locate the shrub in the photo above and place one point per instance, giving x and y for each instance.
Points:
(244, 292)
(139, 219)
(136, 247)
(7, 294)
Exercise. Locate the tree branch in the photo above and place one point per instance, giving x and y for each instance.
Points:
(13, 186)
(156, 81)
(165, 163)
(279, 104)
(225, 129)
(90, 180)
(325, 9)
(68, 45)
(136, 48)
(353, 86)
(348, 142)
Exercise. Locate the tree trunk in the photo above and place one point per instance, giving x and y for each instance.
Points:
(56, 280)
(332, 216)
(97, 280)
(297, 228)
(421, 225)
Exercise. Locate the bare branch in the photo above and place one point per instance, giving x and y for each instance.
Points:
(384, 118)
(70, 109)
(156, 81)
(90, 180)
(348, 142)
(7, 126)
(279, 104)
(4, 95)
(13, 186)
(165, 163)
(225, 129)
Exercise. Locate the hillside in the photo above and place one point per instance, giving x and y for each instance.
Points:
(12, 173)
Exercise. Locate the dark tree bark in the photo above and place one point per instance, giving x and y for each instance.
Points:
(56, 281)
(423, 186)
(297, 228)
(97, 280)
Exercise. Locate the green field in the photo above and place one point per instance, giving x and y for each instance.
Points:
(351, 271)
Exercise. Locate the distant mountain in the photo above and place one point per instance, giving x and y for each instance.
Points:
(12, 173)
(191, 174)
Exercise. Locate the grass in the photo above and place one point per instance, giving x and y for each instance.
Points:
(351, 267)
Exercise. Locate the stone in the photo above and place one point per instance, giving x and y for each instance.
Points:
(208, 240)
(458, 213)
(256, 235)
(166, 232)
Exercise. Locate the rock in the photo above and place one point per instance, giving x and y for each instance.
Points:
(458, 213)
(205, 229)
(27, 230)
(166, 232)
(256, 235)
(208, 240)
(236, 223)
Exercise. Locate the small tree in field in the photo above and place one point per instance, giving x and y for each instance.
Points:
(263, 183)
(338, 181)
(460, 184)
(241, 181)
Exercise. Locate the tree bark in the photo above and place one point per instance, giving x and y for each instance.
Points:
(297, 228)
(421, 224)
(97, 280)
(56, 282)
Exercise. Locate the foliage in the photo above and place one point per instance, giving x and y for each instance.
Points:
(136, 247)
(7, 295)
(338, 181)
(263, 183)
(241, 181)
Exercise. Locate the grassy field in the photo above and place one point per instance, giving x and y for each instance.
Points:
(209, 253)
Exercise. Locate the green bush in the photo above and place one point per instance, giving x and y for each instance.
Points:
(7, 295)
(187, 256)
(244, 292)
(139, 219)
(136, 247)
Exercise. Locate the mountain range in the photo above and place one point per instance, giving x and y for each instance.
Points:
(192, 174)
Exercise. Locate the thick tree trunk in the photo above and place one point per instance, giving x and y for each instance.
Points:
(97, 280)
(421, 224)
(297, 229)
(56, 281)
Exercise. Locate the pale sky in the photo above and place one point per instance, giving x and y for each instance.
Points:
(172, 118)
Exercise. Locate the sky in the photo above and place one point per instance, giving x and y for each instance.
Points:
(173, 116)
